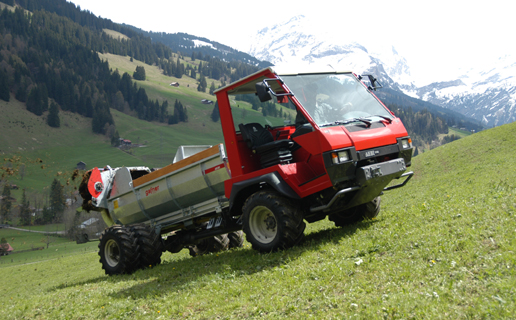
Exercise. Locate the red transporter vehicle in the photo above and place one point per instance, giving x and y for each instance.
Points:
(336, 159)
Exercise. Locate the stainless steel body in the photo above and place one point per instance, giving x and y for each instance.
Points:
(169, 196)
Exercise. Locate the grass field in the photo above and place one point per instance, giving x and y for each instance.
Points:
(115, 34)
(455, 131)
(31, 245)
(46, 153)
(442, 248)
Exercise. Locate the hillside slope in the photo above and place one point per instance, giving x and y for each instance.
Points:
(442, 248)
(29, 137)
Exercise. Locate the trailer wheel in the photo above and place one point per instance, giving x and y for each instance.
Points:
(272, 222)
(118, 250)
(213, 244)
(367, 210)
(150, 246)
(236, 239)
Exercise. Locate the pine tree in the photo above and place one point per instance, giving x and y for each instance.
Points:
(183, 116)
(43, 93)
(215, 116)
(57, 201)
(179, 69)
(202, 83)
(88, 108)
(53, 116)
(5, 207)
(25, 218)
(163, 113)
(34, 102)
(139, 74)
(4, 86)
(212, 87)
(173, 119)
(115, 139)
(47, 215)
(21, 94)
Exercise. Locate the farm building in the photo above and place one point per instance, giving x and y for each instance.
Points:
(81, 165)
(5, 248)
(125, 142)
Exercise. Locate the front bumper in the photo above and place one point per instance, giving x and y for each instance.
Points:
(380, 172)
(371, 181)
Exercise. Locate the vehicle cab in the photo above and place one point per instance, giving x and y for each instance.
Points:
(322, 138)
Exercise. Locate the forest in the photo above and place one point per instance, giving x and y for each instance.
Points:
(51, 53)
(423, 126)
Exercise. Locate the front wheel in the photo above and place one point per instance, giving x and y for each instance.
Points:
(118, 250)
(271, 221)
(367, 210)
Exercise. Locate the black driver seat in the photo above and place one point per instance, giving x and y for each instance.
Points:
(261, 142)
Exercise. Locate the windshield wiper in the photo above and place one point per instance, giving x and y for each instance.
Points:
(366, 121)
(383, 117)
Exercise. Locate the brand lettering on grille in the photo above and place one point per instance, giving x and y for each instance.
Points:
(371, 153)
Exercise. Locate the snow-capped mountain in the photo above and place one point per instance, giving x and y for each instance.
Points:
(488, 95)
(295, 43)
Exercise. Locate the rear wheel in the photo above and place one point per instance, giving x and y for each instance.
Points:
(150, 246)
(367, 210)
(118, 250)
(272, 222)
(236, 239)
(208, 245)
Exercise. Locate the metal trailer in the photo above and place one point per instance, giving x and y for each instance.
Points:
(139, 205)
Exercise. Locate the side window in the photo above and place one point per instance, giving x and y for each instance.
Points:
(247, 108)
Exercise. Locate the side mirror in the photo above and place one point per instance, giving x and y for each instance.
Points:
(375, 84)
(262, 91)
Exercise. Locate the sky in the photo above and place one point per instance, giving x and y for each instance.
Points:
(437, 38)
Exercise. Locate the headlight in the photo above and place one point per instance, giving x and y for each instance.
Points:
(406, 143)
(339, 157)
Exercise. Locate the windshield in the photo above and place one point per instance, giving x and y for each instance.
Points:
(335, 98)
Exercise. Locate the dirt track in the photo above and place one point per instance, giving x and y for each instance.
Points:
(45, 232)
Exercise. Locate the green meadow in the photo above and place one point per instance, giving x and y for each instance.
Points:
(41, 153)
(443, 247)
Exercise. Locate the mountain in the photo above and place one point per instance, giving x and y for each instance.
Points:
(188, 44)
(294, 42)
(485, 96)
